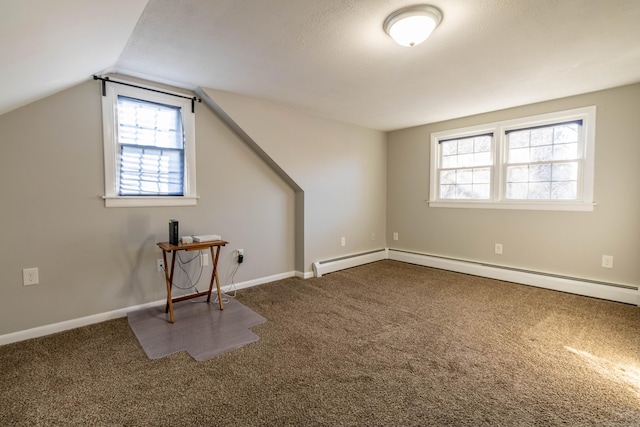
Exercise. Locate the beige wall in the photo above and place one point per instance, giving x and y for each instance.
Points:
(357, 183)
(566, 243)
(340, 167)
(93, 259)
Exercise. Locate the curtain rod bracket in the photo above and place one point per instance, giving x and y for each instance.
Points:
(104, 81)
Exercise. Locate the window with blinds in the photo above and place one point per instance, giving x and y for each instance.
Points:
(151, 146)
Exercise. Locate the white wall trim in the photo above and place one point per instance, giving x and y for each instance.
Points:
(307, 275)
(257, 282)
(609, 291)
(53, 328)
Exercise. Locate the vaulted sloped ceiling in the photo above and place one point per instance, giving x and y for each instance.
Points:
(49, 45)
(328, 57)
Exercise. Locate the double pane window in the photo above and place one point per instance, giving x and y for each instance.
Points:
(540, 162)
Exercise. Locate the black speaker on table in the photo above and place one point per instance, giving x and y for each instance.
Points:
(173, 232)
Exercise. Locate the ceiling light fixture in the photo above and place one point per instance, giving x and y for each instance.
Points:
(411, 25)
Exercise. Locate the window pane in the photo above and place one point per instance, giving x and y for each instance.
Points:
(150, 172)
(482, 158)
(553, 142)
(466, 160)
(464, 176)
(565, 171)
(543, 181)
(539, 173)
(449, 147)
(542, 136)
(518, 174)
(149, 124)
(447, 191)
(482, 144)
(519, 139)
(466, 152)
(465, 146)
(448, 177)
(564, 190)
(519, 155)
(449, 161)
(565, 133)
(482, 176)
(465, 184)
(517, 190)
(540, 170)
(464, 179)
(539, 190)
(541, 154)
(565, 151)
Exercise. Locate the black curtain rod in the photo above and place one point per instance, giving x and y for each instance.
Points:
(107, 79)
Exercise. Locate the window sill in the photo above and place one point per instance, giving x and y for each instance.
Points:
(534, 206)
(132, 202)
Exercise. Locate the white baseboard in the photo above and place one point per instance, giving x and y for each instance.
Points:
(260, 281)
(53, 328)
(612, 292)
(302, 275)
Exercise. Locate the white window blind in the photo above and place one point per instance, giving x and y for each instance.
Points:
(151, 147)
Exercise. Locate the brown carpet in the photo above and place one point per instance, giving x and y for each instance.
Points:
(383, 344)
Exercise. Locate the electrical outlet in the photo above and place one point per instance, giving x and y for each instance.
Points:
(498, 249)
(373, 236)
(395, 235)
(607, 261)
(204, 260)
(343, 241)
(30, 276)
(160, 264)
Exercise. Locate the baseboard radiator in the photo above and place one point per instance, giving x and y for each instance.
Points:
(331, 265)
(609, 291)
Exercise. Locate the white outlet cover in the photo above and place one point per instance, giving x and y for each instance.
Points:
(30, 276)
(607, 261)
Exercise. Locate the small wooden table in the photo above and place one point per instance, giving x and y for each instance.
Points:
(168, 273)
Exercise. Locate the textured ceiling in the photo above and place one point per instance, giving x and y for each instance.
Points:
(332, 58)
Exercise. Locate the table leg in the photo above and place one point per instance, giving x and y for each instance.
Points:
(214, 276)
(168, 274)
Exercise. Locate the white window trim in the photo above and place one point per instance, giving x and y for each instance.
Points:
(498, 201)
(109, 126)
